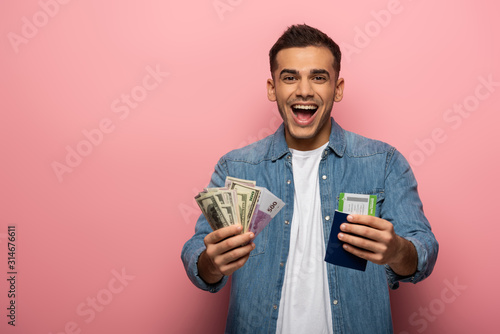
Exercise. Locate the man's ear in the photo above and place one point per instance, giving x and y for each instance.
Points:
(339, 90)
(271, 91)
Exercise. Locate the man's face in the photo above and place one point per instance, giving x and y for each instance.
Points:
(304, 88)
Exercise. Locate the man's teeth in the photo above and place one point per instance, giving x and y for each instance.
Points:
(303, 107)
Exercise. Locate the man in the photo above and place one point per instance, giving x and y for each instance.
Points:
(280, 282)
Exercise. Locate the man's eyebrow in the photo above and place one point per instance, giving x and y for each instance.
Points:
(313, 71)
(320, 71)
(289, 71)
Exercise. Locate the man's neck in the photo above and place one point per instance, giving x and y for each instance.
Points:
(307, 144)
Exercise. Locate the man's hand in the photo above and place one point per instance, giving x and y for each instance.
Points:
(225, 253)
(376, 241)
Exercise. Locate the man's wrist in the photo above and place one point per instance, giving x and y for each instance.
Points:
(406, 261)
(207, 271)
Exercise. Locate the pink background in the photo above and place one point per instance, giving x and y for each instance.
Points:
(127, 207)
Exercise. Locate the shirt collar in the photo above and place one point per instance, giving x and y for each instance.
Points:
(279, 147)
(337, 139)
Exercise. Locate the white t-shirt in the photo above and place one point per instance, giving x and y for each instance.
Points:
(305, 298)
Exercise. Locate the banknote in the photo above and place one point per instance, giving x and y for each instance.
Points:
(243, 199)
(211, 208)
(230, 179)
(269, 202)
(226, 198)
(239, 202)
(251, 201)
(268, 206)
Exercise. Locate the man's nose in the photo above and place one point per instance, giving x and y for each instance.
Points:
(304, 89)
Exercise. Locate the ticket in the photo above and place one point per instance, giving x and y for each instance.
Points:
(357, 204)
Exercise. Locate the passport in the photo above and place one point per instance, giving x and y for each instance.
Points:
(335, 253)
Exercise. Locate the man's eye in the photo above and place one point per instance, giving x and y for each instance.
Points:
(319, 78)
(288, 78)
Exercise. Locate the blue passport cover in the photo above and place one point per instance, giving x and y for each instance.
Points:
(335, 254)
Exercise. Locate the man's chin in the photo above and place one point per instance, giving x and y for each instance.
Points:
(302, 132)
(302, 136)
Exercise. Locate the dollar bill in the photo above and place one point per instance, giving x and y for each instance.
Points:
(230, 180)
(229, 214)
(225, 205)
(252, 197)
(232, 200)
(212, 210)
(228, 199)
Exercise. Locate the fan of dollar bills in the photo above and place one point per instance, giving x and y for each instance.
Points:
(239, 202)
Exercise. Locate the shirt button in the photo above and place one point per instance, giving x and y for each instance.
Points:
(275, 307)
(327, 218)
(324, 177)
(288, 182)
(281, 264)
(335, 302)
(287, 222)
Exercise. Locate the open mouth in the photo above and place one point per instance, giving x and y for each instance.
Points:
(303, 112)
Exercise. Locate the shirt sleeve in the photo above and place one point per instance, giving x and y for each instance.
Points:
(402, 206)
(196, 245)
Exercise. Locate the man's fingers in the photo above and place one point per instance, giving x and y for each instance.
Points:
(363, 248)
(362, 243)
(371, 221)
(229, 246)
(370, 238)
(365, 220)
(230, 268)
(228, 249)
(234, 256)
(222, 233)
(360, 230)
(373, 228)
(236, 241)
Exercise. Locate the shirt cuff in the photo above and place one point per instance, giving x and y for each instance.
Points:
(393, 279)
(199, 282)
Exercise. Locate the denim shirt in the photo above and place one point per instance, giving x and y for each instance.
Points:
(350, 164)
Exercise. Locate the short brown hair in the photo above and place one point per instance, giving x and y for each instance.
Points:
(301, 36)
